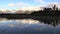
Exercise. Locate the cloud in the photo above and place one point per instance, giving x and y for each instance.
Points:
(51, 4)
(29, 9)
(21, 4)
(54, 3)
(11, 4)
(40, 1)
(17, 4)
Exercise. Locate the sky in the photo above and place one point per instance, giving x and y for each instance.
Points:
(13, 4)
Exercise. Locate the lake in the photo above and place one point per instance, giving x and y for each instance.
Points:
(26, 26)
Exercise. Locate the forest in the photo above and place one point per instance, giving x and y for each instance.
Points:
(47, 12)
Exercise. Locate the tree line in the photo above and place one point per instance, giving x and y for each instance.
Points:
(47, 12)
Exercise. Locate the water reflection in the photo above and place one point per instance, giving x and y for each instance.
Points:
(28, 26)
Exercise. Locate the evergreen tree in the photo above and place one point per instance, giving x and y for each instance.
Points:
(54, 7)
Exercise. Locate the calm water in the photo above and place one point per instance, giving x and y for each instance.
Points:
(28, 26)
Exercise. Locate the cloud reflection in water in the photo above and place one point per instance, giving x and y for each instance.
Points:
(25, 26)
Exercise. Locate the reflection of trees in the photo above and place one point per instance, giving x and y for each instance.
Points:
(51, 12)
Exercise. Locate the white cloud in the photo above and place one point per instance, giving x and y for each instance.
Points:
(21, 4)
(17, 4)
(40, 1)
(2, 9)
(56, 3)
(51, 4)
(11, 4)
(29, 8)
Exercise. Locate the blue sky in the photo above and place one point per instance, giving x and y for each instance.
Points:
(13, 4)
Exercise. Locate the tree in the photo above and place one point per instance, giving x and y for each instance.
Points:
(57, 8)
(54, 7)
